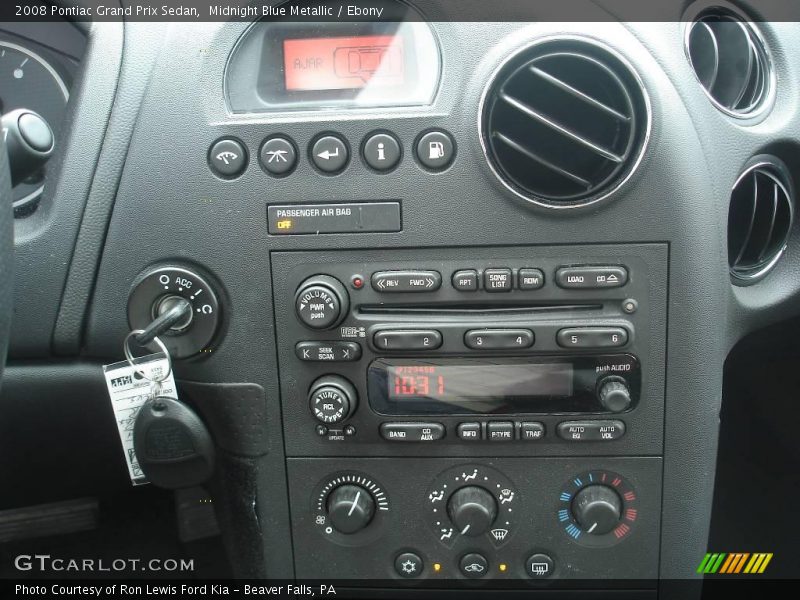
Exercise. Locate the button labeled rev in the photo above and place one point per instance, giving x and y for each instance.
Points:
(414, 339)
(412, 432)
(591, 277)
(406, 281)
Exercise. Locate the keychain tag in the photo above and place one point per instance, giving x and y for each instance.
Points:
(131, 383)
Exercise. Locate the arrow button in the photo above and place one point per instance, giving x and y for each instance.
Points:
(406, 281)
(330, 154)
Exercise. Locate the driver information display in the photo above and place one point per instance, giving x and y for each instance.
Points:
(337, 63)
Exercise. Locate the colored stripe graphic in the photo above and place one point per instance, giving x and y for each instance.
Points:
(734, 563)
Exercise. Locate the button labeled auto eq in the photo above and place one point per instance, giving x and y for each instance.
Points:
(591, 277)
(406, 281)
(498, 339)
(408, 339)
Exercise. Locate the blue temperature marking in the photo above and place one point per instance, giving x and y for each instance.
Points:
(590, 477)
(563, 515)
(578, 482)
(573, 531)
(565, 497)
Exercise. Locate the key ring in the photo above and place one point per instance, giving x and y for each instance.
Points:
(131, 360)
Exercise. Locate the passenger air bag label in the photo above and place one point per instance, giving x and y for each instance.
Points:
(354, 217)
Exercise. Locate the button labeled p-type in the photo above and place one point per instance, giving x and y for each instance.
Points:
(407, 339)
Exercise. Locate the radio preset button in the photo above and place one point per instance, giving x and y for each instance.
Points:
(591, 431)
(469, 432)
(531, 431)
(327, 351)
(465, 281)
(408, 339)
(592, 337)
(500, 431)
(591, 277)
(412, 432)
(406, 281)
(497, 280)
(530, 279)
(497, 339)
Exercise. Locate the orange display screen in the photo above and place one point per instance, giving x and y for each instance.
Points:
(339, 63)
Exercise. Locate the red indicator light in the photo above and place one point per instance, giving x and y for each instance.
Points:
(358, 282)
(340, 63)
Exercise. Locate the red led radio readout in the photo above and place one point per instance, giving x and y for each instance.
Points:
(339, 63)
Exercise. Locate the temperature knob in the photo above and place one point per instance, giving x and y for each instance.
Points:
(350, 508)
(321, 302)
(614, 394)
(472, 510)
(332, 399)
(597, 509)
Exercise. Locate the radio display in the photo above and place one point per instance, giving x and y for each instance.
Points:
(465, 383)
(340, 63)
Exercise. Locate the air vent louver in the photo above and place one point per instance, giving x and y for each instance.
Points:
(731, 62)
(759, 220)
(564, 122)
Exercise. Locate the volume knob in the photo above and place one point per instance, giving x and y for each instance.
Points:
(321, 302)
(614, 395)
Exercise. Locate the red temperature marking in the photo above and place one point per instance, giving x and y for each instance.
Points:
(339, 63)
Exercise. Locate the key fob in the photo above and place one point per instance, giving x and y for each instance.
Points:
(172, 444)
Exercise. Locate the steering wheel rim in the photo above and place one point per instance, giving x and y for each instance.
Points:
(6, 255)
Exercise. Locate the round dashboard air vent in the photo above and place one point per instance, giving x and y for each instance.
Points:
(565, 122)
(759, 220)
(731, 62)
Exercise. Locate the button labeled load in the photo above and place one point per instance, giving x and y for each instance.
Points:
(591, 277)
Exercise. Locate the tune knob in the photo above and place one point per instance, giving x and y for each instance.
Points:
(597, 509)
(350, 508)
(472, 510)
(614, 394)
(321, 302)
(332, 399)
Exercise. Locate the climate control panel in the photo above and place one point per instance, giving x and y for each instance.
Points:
(515, 519)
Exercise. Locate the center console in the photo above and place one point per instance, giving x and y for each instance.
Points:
(486, 413)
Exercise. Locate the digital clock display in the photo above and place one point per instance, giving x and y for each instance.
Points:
(465, 383)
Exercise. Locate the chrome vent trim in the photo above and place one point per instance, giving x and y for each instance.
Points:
(564, 122)
(760, 220)
(731, 61)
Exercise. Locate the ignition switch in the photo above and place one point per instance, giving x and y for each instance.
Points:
(161, 289)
